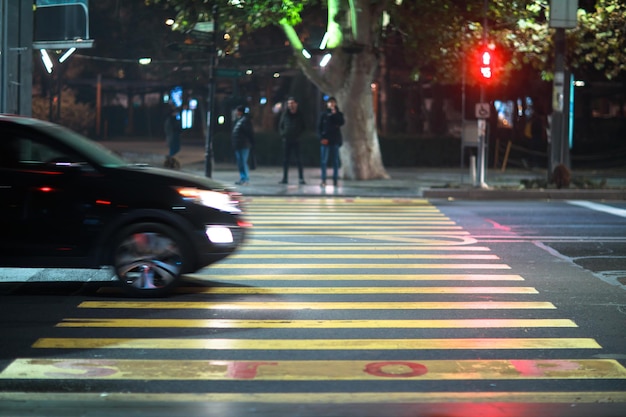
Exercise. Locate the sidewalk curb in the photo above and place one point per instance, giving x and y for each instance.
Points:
(567, 194)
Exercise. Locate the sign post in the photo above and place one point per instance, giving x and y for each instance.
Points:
(483, 111)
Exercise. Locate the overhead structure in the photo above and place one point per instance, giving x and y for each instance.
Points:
(61, 24)
(16, 57)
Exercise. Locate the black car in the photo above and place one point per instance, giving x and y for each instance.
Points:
(66, 201)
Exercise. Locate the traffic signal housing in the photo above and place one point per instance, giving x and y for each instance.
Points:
(486, 65)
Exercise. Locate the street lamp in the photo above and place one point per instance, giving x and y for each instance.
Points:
(47, 62)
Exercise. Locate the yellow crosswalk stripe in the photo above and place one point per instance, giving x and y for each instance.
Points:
(317, 344)
(254, 245)
(360, 277)
(361, 256)
(323, 221)
(314, 370)
(380, 397)
(226, 265)
(407, 229)
(359, 290)
(323, 305)
(335, 232)
(318, 324)
(344, 290)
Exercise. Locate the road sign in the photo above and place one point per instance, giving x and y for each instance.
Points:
(203, 31)
(190, 47)
(61, 24)
(483, 110)
(228, 72)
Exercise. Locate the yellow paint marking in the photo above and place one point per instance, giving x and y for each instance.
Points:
(315, 370)
(340, 200)
(318, 324)
(361, 256)
(341, 208)
(355, 265)
(370, 229)
(333, 232)
(359, 277)
(456, 241)
(253, 245)
(321, 221)
(339, 203)
(324, 305)
(318, 344)
(412, 397)
(360, 290)
(349, 215)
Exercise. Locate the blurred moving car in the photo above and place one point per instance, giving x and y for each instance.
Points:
(66, 201)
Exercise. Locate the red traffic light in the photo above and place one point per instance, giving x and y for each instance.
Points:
(485, 67)
(486, 64)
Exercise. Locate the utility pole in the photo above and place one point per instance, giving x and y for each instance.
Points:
(482, 123)
(210, 117)
(563, 14)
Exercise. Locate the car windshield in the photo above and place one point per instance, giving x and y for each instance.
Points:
(96, 152)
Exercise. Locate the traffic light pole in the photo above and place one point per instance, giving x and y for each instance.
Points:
(559, 147)
(482, 123)
(210, 117)
(482, 139)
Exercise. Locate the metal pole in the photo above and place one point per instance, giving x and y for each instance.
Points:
(558, 149)
(3, 55)
(482, 132)
(210, 118)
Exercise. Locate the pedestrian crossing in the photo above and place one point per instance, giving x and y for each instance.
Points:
(338, 299)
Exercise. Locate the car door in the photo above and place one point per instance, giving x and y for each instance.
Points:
(46, 208)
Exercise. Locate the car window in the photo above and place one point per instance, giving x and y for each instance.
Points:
(18, 151)
(35, 152)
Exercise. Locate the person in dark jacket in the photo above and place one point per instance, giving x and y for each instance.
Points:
(329, 131)
(173, 128)
(290, 127)
(242, 139)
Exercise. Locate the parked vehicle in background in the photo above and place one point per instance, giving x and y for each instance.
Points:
(68, 202)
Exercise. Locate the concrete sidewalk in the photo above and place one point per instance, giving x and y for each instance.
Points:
(446, 183)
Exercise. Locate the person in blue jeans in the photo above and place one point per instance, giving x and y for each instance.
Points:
(242, 139)
(173, 129)
(329, 131)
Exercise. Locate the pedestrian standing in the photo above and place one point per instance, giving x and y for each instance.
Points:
(291, 126)
(329, 131)
(173, 128)
(242, 139)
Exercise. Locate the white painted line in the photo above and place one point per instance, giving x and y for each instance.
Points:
(599, 207)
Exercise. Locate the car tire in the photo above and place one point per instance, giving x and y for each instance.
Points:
(148, 259)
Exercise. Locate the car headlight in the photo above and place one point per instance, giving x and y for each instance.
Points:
(223, 201)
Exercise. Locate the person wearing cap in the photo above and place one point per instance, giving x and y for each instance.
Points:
(329, 131)
(242, 139)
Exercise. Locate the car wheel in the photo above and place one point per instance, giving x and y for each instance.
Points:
(148, 259)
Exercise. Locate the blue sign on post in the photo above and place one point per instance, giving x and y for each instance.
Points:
(61, 24)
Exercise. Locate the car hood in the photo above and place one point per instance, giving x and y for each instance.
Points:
(170, 177)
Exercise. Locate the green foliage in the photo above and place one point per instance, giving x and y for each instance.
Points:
(236, 17)
(74, 115)
(601, 39)
(437, 35)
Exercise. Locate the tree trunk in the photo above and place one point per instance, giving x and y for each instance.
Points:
(360, 154)
(349, 76)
